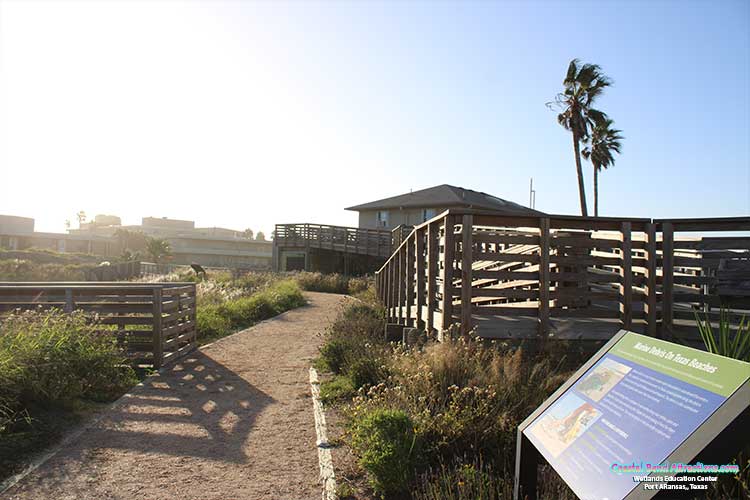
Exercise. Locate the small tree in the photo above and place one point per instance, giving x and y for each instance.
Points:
(248, 233)
(260, 236)
(81, 216)
(158, 249)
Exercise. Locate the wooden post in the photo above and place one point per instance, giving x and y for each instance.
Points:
(158, 341)
(626, 275)
(433, 243)
(651, 327)
(667, 287)
(409, 250)
(399, 287)
(69, 305)
(448, 257)
(194, 315)
(420, 236)
(544, 283)
(467, 225)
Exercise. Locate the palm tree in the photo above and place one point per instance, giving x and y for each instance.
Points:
(583, 84)
(605, 141)
(158, 249)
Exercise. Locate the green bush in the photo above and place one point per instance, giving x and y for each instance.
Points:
(337, 389)
(387, 447)
(221, 317)
(332, 355)
(211, 323)
(367, 371)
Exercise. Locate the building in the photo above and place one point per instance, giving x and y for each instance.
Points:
(17, 233)
(363, 249)
(212, 247)
(418, 206)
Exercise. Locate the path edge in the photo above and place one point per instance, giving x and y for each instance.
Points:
(327, 476)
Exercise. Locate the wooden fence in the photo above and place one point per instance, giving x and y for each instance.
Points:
(355, 240)
(562, 277)
(156, 323)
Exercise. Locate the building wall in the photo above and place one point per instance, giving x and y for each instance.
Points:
(410, 217)
(13, 224)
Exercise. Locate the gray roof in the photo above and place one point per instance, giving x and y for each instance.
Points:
(446, 196)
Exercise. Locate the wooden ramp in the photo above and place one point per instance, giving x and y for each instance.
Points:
(566, 277)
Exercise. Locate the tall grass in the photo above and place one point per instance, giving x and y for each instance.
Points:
(49, 363)
(226, 312)
(725, 342)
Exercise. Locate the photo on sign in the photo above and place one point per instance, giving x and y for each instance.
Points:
(568, 419)
(602, 379)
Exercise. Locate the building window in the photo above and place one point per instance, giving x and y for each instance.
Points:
(427, 214)
(382, 218)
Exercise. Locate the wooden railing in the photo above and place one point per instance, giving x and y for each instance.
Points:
(375, 242)
(156, 323)
(560, 277)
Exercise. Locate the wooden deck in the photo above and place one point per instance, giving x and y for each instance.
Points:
(352, 240)
(565, 277)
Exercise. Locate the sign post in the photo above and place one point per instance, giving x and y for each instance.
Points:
(638, 414)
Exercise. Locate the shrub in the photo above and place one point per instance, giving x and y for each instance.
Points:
(465, 399)
(463, 481)
(51, 358)
(386, 443)
(331, 283)
(332, 355)
(367, 371)
(337, 389)
(220, 318)
(211, 323)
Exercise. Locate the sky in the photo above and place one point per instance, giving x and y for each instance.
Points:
(244, 114)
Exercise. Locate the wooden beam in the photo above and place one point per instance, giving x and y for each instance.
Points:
(433, 254)
(448, 256)
(650, 306)
(626, 273)
(467, 224)
(158, 334)
(420, 235)
(410, 251)
(667, 287)
(544, 278)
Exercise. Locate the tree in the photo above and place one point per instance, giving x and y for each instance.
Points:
(81, 215)
(260, 236)
(158, 249)
(605, 141)
(248, 233)
(583, 84)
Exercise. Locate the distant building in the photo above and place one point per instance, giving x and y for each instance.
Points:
(416, 207)
(214, 246)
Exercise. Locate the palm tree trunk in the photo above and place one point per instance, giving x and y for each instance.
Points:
(579, 171)
(596, 190)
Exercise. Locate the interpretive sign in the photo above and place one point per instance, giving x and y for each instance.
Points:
(637, 406)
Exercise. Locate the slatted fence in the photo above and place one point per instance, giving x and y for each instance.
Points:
(156, 323)
(560, 277)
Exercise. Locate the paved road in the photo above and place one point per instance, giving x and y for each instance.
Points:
(231, 421)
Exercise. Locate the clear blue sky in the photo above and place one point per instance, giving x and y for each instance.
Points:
(270, 112)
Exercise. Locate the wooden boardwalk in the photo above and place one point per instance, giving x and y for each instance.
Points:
(565, 277)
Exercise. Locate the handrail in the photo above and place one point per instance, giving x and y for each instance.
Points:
(575, 266)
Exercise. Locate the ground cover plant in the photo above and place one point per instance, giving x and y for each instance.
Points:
(53, 367)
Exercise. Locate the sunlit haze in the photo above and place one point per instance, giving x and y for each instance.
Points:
(246, 114)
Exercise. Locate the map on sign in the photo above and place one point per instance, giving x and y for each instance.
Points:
(635, 406)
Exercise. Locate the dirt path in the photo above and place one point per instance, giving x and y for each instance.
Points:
(231, 421)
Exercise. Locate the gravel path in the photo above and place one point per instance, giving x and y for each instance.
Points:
(231, 421)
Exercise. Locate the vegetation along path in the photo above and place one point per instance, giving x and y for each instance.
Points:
(233, 420)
